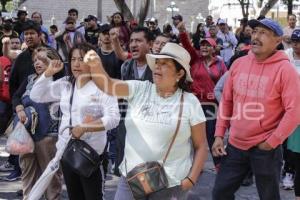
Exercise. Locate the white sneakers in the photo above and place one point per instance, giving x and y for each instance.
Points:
(6, 166)
(288, 181)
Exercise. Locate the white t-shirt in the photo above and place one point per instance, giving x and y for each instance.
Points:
(150, 125)
(141, 70)
(88, 102)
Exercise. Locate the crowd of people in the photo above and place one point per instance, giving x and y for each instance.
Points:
(128, 89)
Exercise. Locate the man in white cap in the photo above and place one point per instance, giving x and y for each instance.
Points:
(229, 41)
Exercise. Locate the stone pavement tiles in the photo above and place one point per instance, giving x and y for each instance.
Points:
(201, 191)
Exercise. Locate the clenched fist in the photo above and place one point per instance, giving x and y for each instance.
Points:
(54, 67)
(114, 34)
(181, 27)
(92, 59)
(6, 40)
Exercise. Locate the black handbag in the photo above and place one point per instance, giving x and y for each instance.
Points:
(149, 177)
(80, 156)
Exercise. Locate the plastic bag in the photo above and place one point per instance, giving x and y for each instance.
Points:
(91, 113)
(19, 141)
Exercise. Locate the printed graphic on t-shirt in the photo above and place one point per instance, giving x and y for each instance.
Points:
(251, 85)
(156, 112)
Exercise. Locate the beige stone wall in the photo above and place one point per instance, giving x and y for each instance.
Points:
(59, 8)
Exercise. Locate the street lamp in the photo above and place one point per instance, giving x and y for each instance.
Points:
(172, 8)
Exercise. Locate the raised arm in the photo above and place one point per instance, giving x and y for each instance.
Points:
(186, 43)
(7, 51)
(45, 89)
(103, 81)
(120, 53)
(6, 46)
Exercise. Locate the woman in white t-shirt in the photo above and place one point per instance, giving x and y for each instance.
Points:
(90, 111)
(152, 119)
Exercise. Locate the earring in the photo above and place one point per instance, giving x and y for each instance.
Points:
(177, 80)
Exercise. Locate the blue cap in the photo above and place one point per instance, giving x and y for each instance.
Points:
(295, 35)
(268, 23)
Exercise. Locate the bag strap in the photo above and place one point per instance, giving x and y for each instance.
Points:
(71, 102)
(177, 128)
(219, 67)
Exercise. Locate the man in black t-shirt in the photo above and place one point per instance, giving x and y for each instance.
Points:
(92, 31)
(111, 63)
(112, 66)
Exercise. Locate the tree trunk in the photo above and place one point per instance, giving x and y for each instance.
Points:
(290, 7)
(3, 4)
(245, 8)
(267, 7)
(143, 11)
(242, 3)
(99, 10)
(123, 8)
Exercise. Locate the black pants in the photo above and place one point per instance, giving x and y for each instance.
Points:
(5, 115)
(234, 167)
(288, 160)
(81, 188)
(296, 159)
(120, 145)
(210, 112)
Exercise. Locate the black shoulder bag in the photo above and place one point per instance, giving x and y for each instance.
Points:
(149, 177)
(79, 155)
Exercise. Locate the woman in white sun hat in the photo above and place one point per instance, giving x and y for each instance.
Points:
(152, 118)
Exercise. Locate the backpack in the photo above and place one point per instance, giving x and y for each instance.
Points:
(5, 67)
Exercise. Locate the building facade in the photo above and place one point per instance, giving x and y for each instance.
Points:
(55, 11)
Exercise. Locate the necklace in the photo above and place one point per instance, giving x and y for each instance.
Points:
(105, 53)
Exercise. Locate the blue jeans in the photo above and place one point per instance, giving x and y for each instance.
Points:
(265, 166)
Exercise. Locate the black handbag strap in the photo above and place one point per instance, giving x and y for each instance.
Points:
(71, 102)
(177, 128)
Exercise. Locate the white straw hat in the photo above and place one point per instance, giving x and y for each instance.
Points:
(173, 51)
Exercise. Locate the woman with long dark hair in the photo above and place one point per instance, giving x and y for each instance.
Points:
(198, 36)
(90, 111)
(117, 21)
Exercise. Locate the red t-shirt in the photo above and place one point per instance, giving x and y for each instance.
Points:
(5, 67)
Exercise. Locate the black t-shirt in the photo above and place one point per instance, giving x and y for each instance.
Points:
(111, 64)
(91, 36)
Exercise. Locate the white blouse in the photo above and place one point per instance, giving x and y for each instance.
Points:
(150, 125)
(89, 103)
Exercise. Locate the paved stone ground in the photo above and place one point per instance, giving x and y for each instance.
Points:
(202, 190)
